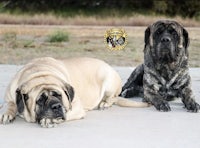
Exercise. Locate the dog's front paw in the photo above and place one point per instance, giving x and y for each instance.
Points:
(47, 123)
(162, 106)
(6, 118)
(192, 106)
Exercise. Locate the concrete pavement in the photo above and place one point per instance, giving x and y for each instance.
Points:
(115, 127)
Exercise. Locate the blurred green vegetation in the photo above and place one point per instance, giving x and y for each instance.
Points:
(58, 36)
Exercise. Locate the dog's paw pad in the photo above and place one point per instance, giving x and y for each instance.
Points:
(6, 118)
(47, 123)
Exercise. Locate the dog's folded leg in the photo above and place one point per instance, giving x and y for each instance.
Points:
(189, 101)
(134, 85)
(10, 113)
(133, 91)
(76, 112)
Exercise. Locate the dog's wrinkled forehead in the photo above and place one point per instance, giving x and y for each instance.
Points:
(50, 92)
(166, 24)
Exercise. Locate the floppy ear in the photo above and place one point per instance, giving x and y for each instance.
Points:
(147, 36)
(20, 100)
(69, 91)
(186, 38)
(186, 41)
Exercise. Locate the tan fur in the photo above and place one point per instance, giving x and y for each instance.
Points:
(95, 84)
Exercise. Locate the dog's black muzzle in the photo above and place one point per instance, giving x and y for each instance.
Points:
(50, 107)
(166, 49)
(56, 108)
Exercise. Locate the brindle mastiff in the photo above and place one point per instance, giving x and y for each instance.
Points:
(49, 91)
(165, 72)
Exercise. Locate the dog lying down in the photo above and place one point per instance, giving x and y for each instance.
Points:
(164, 75)
(50, 91)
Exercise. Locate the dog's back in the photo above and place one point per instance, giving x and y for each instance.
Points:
(93, 79)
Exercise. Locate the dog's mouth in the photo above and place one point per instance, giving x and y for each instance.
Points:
(166, 58)
(166, 53)
(162, 52)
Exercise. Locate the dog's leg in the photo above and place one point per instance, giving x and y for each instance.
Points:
(151, 93)
(9, 115)
(75, 114)
(188, 100)
(134, 85)
(107, 99)
(77, 111)
(107, 95)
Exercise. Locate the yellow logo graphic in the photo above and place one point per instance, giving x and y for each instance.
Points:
(115, 39)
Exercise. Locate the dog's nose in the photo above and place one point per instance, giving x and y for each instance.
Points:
(56, 106)
(165, 39)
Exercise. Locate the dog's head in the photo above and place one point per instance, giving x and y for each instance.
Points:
(45, 102)
(167, 40)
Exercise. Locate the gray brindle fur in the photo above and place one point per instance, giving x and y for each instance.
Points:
(164, 75)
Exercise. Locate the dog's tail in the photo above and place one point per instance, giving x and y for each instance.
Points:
(123, 102)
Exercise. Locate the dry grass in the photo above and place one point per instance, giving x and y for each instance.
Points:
(49, 19)
(21, 43)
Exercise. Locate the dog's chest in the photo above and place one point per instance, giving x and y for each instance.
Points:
(166, 82)
(166, 73)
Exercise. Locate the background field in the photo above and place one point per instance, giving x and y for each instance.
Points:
(21, 43)
(66, 28)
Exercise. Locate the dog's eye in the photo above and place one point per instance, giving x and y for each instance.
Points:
(172, 31)
(54, 93)
(158, 32)
(41, 101)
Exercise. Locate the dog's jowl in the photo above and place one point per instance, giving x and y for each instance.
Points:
(164, 75)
